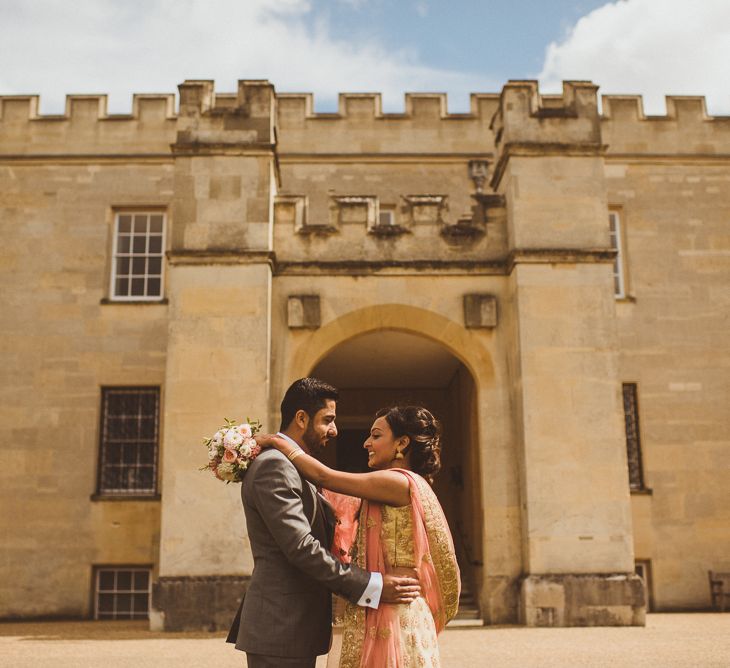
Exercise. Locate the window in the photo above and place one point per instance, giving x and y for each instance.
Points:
(129, 436)
(633, 440)
(386, 218)
(122, 593)
(137, 263)
(619, 288)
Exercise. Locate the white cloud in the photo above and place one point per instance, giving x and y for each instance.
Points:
(120, 47)
(651, 47)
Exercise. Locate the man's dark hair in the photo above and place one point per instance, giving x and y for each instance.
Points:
(308, 395)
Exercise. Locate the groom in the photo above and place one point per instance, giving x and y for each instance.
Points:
(285, 617)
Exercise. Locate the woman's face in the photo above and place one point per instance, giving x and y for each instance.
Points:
(381, 445)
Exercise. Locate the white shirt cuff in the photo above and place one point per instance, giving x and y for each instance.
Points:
(371, 596)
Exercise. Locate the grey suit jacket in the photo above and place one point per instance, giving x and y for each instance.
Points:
(287, 608)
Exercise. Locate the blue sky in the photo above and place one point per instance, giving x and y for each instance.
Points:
(506, 40)
(118, 47)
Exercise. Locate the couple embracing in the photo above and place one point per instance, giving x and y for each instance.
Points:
(379, 540)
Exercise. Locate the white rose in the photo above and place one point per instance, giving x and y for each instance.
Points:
(212, 451)
(246, 446)
(245, 430)
(218, 437)
(227, 471)
(232, 438)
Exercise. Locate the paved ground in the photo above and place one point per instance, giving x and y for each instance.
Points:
(668, 641)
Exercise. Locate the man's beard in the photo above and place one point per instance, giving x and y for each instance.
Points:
(312, 441)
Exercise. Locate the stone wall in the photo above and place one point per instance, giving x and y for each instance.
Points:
(267, 199)
(62, 343)
(673, 329)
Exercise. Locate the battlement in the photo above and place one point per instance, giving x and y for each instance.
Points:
(361, 126)
(86, 127)
(148, 107)
(519, 117)
(524, 116)
(244, 120)
(360, 106)
(686, 128)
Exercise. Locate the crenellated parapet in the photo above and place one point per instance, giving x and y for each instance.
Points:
(529, 123)
(360, 126)
(227, 123)
(686, 129)
(255, 117)
(86, 127)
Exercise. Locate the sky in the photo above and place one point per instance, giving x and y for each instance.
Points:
(118, 47)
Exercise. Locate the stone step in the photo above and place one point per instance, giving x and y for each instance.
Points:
(460, 623)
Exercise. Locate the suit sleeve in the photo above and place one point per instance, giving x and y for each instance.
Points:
(278, 498)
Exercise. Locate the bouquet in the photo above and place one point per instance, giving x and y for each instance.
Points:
(231, 449)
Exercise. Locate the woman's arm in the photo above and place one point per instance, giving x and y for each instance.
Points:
(387, 487)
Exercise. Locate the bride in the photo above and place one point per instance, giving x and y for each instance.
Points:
(401, 528)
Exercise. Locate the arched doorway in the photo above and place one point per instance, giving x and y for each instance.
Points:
(383, 367)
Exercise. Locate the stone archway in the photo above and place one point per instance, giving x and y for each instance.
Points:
(494, 511)
(387, 366)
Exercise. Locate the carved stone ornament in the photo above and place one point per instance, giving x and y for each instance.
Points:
(478, 172)
(303, 312)
(480, 311)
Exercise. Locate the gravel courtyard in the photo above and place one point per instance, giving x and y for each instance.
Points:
(701, 640)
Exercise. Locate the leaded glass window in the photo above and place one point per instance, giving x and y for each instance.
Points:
(122, 593)
(633, 439)
(129, 440)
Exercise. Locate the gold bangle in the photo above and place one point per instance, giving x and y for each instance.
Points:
(294, 454)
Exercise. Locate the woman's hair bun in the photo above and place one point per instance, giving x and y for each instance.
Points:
(424, 432)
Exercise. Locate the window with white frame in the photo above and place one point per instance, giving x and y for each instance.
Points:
(122, 592)
(619, 287)
(129, 441)
(138, 257)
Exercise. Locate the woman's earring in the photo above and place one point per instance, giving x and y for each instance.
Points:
(398, 454)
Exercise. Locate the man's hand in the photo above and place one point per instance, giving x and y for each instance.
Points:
(400, 588)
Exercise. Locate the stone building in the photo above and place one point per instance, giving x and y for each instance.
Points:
(551, 279)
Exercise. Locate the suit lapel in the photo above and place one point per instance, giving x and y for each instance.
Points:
(316, 506)
(310, 505)
(329, 517)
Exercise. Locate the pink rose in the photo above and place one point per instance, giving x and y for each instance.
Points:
(229, 456)
(245, 430)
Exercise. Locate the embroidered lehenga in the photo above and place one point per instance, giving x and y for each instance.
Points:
(391, 539)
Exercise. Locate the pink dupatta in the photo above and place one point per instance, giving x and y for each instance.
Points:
(346, 510)
(436, 566)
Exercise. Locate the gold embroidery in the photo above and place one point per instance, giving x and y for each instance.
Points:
(418, 639)
(397, 536)
(354, 618)
(439, 542)
(375, 632)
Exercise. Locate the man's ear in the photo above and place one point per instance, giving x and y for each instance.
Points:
(301, 419)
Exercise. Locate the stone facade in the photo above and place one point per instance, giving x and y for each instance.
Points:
(463, 261)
